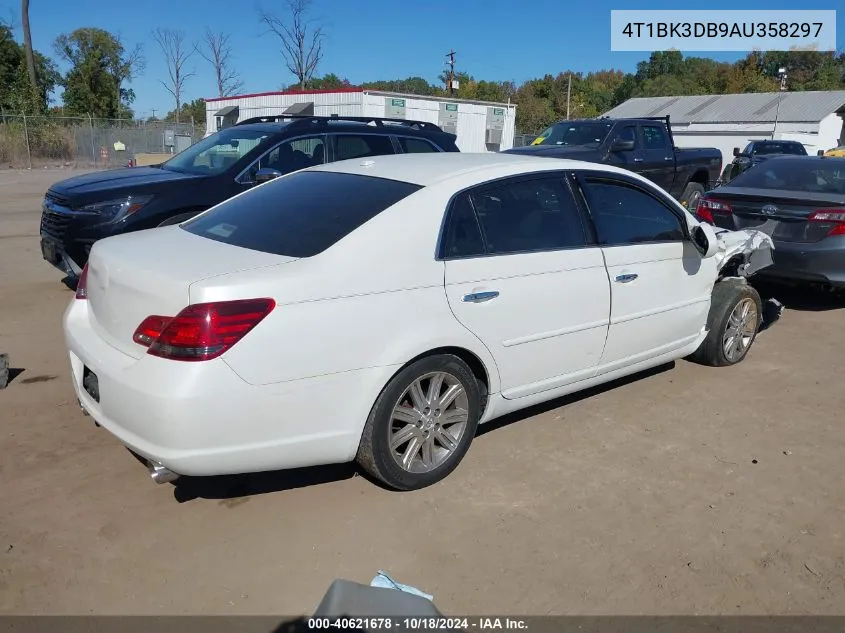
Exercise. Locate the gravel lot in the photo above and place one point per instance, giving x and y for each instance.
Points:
(688, 490)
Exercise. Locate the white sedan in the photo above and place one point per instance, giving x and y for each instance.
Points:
(378, 310)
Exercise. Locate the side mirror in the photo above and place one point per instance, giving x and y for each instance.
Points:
(266, 174)
(620, 145)
(737, 152)
(704, 236)
(820, 152)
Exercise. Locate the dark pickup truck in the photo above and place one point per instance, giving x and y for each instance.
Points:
(644, 146)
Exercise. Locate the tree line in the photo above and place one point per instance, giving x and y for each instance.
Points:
(101, 67)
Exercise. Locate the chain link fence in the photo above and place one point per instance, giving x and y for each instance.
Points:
(86, 142)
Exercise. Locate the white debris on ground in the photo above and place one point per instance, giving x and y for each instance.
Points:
(754, 247)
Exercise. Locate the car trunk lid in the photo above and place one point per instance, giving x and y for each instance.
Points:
(782, 214)
(134, 276)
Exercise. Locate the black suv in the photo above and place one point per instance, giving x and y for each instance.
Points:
(755, 153)
(83, 209)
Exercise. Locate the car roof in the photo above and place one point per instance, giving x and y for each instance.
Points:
(426, 169)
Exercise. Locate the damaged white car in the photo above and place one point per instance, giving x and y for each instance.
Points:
(379, 309)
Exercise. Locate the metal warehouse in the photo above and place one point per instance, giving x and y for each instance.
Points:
(814, 119)
(480, 126)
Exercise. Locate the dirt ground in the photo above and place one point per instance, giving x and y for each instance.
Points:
(689, 490)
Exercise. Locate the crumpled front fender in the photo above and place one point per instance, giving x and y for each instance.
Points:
(743, 253)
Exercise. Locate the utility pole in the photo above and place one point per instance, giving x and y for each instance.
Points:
(568, 93)
(154, 112)
(450, 76)
(782, 76)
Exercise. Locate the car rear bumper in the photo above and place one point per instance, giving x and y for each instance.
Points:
(203, 419)
(820, 262)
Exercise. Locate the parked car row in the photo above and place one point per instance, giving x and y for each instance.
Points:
(305, 293)
(79, 211)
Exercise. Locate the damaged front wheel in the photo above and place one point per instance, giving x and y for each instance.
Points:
(734, 320)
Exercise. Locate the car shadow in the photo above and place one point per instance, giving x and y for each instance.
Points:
(801, 298)
(563, 401)
(235, 489)
(230, 487)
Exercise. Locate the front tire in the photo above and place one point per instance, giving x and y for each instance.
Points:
(734, 321)
(422, 424)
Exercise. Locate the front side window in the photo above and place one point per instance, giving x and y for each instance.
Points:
(360, 146)
(528, 215)
(217, 153)
(624, 214)
(290, 156)
(627, 133)
(299, 215)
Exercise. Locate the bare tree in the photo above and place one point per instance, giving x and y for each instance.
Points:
(218, 53)
(27, 43)
(301, 38)
(176, 54)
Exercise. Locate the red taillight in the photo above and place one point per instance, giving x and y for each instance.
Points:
(202, 331)
(150, 329)
(82, 283)
(708, 206)
(834, 217)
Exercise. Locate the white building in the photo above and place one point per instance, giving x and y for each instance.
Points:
(727, 121)
(480, 126)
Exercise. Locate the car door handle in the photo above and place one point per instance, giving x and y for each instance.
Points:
(638, 160)
(668, 158)
(624, 279)
(480, 297)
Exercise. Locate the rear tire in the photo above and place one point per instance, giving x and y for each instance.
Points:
(734, 321)
(692, 194)
(422, 423)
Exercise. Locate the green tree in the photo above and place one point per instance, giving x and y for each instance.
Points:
(193, 110)
(411, 85)
(100, 68)
(12, 55)
(326, 82)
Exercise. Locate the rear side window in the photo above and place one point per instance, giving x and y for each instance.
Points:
(654, 137)
(355, 146)
(416, 145)
(528, 215)
(463, 234)
(300, 215)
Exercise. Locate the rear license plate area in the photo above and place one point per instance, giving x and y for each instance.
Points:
(91, 384)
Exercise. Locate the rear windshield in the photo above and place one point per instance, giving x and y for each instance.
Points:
(819, 175)
(299, 215)
(763, 149)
